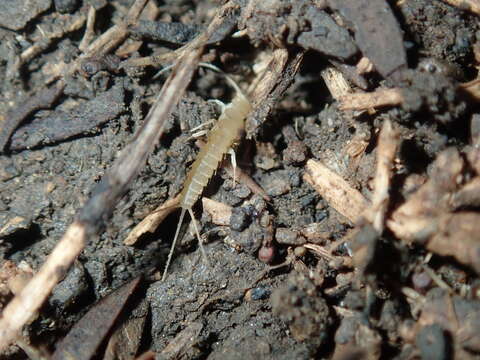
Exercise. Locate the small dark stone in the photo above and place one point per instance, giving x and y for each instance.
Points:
(66, 6)
(239, 219)
(295, 153)
(260, 293)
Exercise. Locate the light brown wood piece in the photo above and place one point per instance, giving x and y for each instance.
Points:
(376, 99)
(219, 212)
(152, 220)
(388, 143)
(335, 190)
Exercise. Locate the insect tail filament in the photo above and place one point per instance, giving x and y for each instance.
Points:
(177, 232)
(170, 254)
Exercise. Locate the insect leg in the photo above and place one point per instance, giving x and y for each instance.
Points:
(233, 159)
(196, 132)
(219, 103)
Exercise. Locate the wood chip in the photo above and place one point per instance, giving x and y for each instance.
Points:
(376, 99)
(150, 223)
(335, 190)
(416, 219)
(219, 212)
(388, 143)
(336, 82)
(470, 5)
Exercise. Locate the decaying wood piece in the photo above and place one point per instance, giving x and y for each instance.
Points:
(151, 221)
(371, 100)
(472, 88)
(278, 76)
(126, 336)
(415, 220)
(470, 5)
(41, 45)
(468, 195)
(388, 143)
(336, 82)
(219, 212)
(457, 235)
(427, 217)
(104, 43)
(223, 16)
(83, 340)
(100, 206)
(184, 340)
(150, 12)
(15, 116)
(335, 190)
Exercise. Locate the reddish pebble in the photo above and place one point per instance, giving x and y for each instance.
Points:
(421, 281)
(266, 254)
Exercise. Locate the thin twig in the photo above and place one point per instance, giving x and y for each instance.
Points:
(387, 148)
(90, 30)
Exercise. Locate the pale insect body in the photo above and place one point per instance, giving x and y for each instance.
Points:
(221, 138)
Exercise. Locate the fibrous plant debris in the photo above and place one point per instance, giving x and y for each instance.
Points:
(349, 228)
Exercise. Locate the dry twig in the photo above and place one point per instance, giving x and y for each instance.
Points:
(90, 30)
(387, 147)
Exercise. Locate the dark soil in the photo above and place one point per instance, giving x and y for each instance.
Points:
(310, 307)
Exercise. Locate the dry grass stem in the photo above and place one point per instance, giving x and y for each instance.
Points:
(25, 305)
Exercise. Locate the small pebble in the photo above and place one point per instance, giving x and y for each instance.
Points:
(276, 186)
(288, 237)
(239, 219)
(66, 6)
(421, 281)
(266, 254)
(258, 293)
